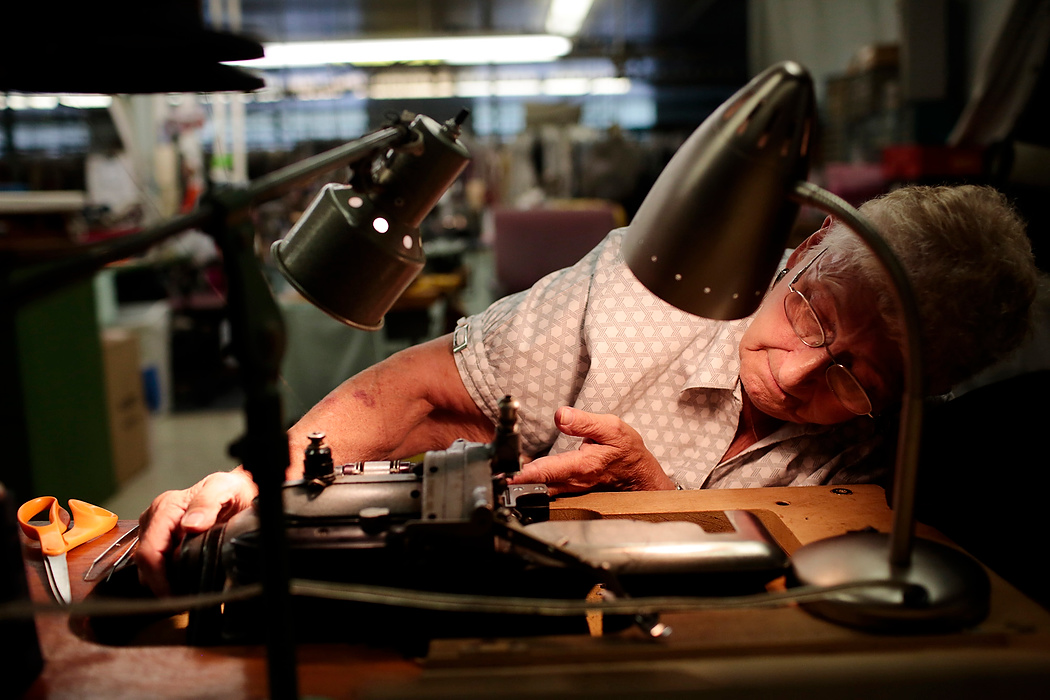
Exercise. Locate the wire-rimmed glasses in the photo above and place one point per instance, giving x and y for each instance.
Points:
(807, 326)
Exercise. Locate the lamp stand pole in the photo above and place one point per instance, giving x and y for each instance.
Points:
(942, 588)
(258, 336)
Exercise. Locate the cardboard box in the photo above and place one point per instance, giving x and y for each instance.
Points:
(875, 56)
(151, 323)
(125, 399)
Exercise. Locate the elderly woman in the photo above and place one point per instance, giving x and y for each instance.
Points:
(620, 390)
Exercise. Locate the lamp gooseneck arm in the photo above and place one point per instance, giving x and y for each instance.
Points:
(907, 459)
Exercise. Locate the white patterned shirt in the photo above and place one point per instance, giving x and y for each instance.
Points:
(591, 336)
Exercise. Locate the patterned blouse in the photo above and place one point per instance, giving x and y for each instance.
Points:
(592, 337)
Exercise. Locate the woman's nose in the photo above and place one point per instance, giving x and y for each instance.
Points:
(802, 366)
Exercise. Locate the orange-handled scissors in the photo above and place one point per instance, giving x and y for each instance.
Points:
(55, 540)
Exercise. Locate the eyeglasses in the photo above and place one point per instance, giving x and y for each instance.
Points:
(806, 324)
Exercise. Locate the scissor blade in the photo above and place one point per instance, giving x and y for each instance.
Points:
(58, 577)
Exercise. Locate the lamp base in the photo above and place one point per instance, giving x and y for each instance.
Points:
(948, 589)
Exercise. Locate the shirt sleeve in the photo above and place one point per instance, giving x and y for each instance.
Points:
(531, 346)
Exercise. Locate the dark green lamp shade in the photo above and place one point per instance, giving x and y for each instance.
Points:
(348, 259)
(352, 254)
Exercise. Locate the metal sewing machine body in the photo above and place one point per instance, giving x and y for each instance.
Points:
(452, 523)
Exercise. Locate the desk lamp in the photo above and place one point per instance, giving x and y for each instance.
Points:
(707, 239)
(420, 160)
(357, 247)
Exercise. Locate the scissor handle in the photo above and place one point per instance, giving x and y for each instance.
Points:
(50, 535)
(89, 521)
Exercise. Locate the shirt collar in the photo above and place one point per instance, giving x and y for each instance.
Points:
(718, 365)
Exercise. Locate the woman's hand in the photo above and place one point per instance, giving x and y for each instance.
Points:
(612, 455)
(213, 499)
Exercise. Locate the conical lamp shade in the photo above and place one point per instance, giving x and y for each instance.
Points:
(711, 231)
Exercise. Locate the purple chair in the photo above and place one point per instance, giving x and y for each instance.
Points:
(530, 243)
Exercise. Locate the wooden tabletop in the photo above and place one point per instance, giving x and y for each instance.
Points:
(739, 653)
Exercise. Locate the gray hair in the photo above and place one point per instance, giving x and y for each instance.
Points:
(967, 254)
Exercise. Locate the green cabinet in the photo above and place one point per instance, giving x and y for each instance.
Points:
(57, 431)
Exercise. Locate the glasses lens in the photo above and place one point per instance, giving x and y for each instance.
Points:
(803, 319)
(848, 390)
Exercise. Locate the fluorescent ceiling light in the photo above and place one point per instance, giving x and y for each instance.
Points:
(566, 86)
(51, 101)
(610, 86)
(474, 88)
(86, 101)
(503, 87)
(399, 91)
(462, 50)
(565, 17)
(522, 87)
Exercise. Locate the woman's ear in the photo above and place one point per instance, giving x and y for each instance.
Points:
(812, 241)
